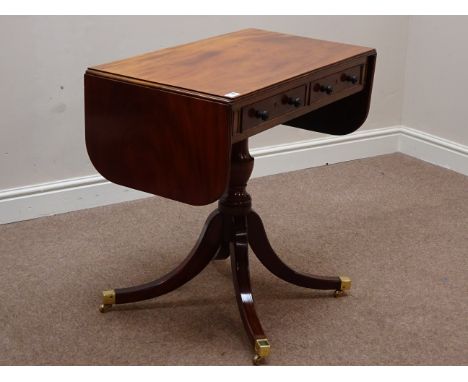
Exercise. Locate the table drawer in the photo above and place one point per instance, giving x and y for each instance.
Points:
(273, 107)
(336, 85)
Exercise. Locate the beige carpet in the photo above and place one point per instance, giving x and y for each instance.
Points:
(396, 225)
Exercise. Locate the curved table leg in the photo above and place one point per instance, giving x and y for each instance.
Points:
(223, 250)
(199, 257)
(258, 240)
(241, 279)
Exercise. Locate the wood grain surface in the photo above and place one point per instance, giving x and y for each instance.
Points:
(241, 62)
(162, 122)
(159, 142)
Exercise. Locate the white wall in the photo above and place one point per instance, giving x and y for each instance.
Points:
(44, 59)
(436, 79)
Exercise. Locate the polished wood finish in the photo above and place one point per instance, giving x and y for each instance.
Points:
(261, 246)
(168, 123)
(227, 233)
(200, 256)
(236, 199)
(241, 280)
(162, 121)
(346, 114)
(279, 105)
(241, 62)
(352, 98)
(337, 84)
(156, 141)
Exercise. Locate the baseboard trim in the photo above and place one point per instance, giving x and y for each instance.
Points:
(432, 149)
(318, 152)
(73, 194)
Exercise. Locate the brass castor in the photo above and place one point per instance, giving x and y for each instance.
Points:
(108, 299)
(345, 286)
(257, 360)
(262, 349)
(105, 308)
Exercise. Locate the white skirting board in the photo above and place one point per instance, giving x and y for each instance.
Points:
(73, 194)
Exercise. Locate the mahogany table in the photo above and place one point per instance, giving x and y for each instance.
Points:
(176, 123)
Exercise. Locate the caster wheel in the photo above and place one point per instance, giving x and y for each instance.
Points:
(257, 360)
(105, 308)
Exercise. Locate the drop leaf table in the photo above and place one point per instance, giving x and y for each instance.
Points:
(176, 123)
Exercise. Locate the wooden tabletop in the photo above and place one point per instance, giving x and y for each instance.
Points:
(234, 64)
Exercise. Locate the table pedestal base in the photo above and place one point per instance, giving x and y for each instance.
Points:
(228, 232)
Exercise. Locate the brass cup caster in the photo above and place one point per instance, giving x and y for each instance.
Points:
(345, 286)
(262, 350)
(108, 299)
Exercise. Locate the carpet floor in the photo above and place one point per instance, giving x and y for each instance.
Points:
(396, 225)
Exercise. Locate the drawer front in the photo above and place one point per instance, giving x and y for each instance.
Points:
(273, 107)
(335, 85)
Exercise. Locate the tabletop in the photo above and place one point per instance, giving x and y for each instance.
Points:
(233, 64)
